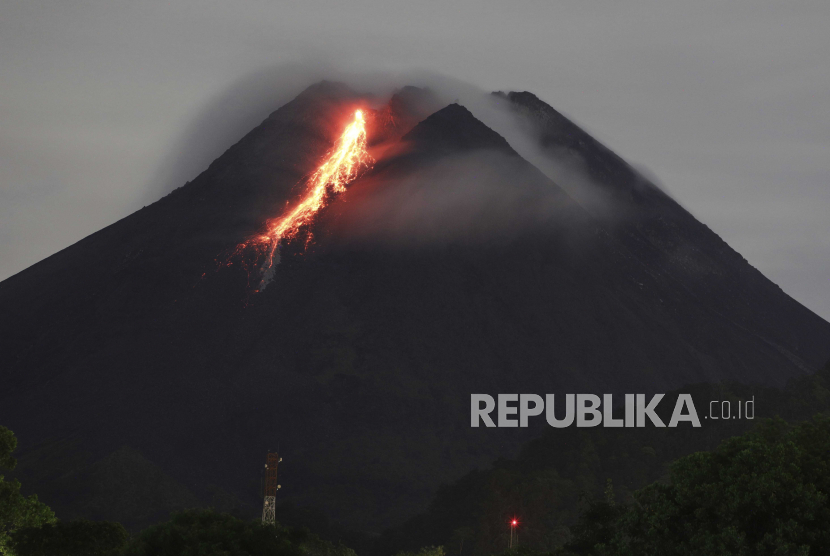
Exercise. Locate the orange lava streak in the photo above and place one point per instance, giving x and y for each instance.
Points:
(342, 166)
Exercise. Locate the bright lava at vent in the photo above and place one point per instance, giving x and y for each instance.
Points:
(343, 164)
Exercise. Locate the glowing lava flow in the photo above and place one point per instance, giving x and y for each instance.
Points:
(342, 166)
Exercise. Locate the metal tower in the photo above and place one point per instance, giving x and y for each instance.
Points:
(271, 488)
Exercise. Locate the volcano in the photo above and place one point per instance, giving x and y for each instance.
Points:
(142, 374)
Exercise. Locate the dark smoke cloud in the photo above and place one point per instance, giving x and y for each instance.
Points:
(237, 110)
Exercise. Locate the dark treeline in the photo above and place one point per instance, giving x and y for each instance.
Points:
(560, 475)
(762, 493)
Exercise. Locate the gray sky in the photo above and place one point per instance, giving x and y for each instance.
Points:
(106, 104)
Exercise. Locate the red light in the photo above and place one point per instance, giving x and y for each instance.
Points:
(513, 523)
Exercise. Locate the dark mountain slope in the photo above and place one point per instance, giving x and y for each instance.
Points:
(668, 239)
(453, 267)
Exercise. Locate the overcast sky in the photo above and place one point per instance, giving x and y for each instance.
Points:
(104, 105)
